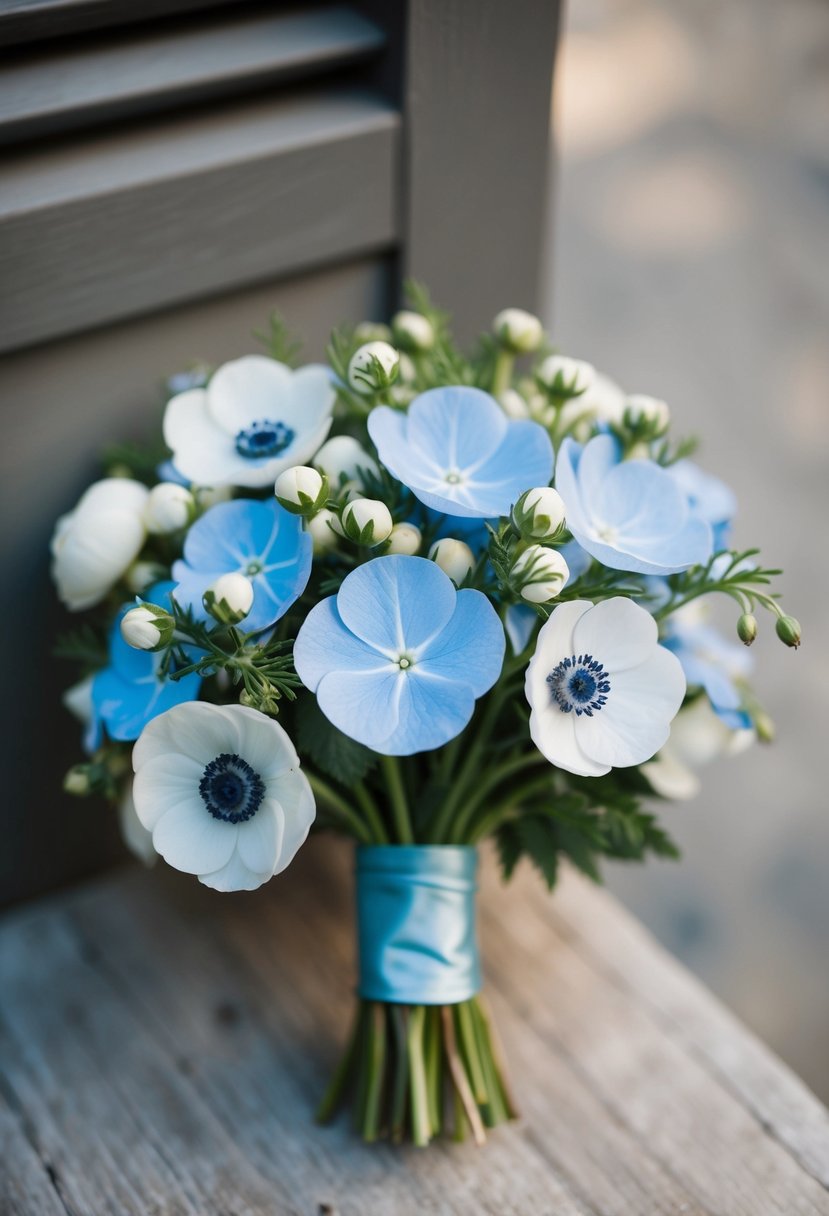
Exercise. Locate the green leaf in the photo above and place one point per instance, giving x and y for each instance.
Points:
(328, 748)
(509, 848)
(539, 843)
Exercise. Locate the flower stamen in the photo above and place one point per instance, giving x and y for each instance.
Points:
(579, 683)
(232, 791)
(264, 439)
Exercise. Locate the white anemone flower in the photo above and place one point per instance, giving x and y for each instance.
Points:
(133, 833)
(255, 418)
(220, 788)
(93, 546)
(698, 737)
(602, 690)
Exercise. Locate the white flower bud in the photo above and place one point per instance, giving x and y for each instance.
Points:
(230, 598)
(372, 331)
(539, 513)
(518, 331)
(169, 508)
(343, 459)
(561, 374)
(373, 367)
(454, 557)
(513, 404)
(651, 411)
(407, 374)
(301, 490)
(77, 781)
(404, 538)
(367, 521)
(209, 496)
(324, 528)
(142, 575)
(146, 627)
(541, 574)
(413, 331)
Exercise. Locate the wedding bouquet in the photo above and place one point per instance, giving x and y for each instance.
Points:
(421, 599)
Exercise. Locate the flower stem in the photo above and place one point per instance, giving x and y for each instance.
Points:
(421, 1127)
(397, 797)
(372, 813)
(324, 792)
(376, 1071)
(502, 373)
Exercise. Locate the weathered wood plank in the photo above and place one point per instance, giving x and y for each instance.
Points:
(66, 87)
(25, 1186)
(120, 225)
(198, 1029)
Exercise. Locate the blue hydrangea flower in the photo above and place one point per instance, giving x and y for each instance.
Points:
(628, 514)
(261, 540)
(708, 497)
(457, 451)
(398, 657)
(713, 664)
(130, 692)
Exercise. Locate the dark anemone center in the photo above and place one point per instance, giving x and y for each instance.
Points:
(264, 439)
(579, 683)
(231, 789)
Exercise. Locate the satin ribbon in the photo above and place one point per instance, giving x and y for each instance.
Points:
(416, 923)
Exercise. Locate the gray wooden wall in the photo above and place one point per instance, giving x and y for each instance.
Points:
(171, 173)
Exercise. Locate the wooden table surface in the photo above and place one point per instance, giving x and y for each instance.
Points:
(162, 1048)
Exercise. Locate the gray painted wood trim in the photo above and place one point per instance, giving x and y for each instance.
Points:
(34, 20)
(75, 86)
(125, 224)
(477, 114)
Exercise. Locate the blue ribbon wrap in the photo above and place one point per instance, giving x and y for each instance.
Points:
(416, 923)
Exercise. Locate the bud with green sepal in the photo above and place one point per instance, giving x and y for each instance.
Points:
(301, 490)
(229, 599)
(169, 508)
(788, 630)
(561, 377)
(413, 332)
(366, 521)
(747, 628)
(147, 627)
(539, 514)
(405, 539)
(373, 368)
(454, 557)
(539, 574)
(517, 331)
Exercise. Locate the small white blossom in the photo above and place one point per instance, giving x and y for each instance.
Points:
(373, 367)
(96, 543)
(539, 513)
(221, 791)
(324, 529)
(367, 521)
(300, 489)
(405, 538)
(518, 331)
(602, 691)
(343, 460)
(169, 508)
(230, 598)
(560, 373)
(640, 408)
(454, 557)
(413, 331)
(141, 627)
(540, 573)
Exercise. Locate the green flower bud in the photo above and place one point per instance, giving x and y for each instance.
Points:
(788, 630)
(412, 331)
(747, 628)
(373, 367)
(539, 513)
(301, 490)
(518, 331)
(367, 521)
(230, 598)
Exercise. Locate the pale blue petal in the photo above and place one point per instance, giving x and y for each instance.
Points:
(639, 499)
(691, 545)
(396, 603)
(324, 644)
(524, 459)
(457, 426)
(430, 713)
(520, 622)
(567, 484)
(126, 708)
(363, 705)
(388, 430)
(707, 496)
(593, 464)
(470, 650)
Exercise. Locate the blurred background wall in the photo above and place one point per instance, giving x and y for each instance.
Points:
(691, 239)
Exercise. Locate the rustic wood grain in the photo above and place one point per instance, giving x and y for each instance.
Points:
(162, 1049)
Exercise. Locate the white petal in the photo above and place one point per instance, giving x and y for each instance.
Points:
(554, 734)
(260, 839)
(202, 451)
(234, 876)
(616, 632)
(297, 808)
(311, 399)
(670, 777)
(190, 839)
(92, 553)
(635, 722)
(135, 836)
(113, 494)
(555, 642)
(195, 729)
(247, 390)
(263, 743)
(164, 783)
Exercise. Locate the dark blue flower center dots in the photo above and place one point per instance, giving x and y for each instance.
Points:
(231, 789)
(264, 439)
(579, 684)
